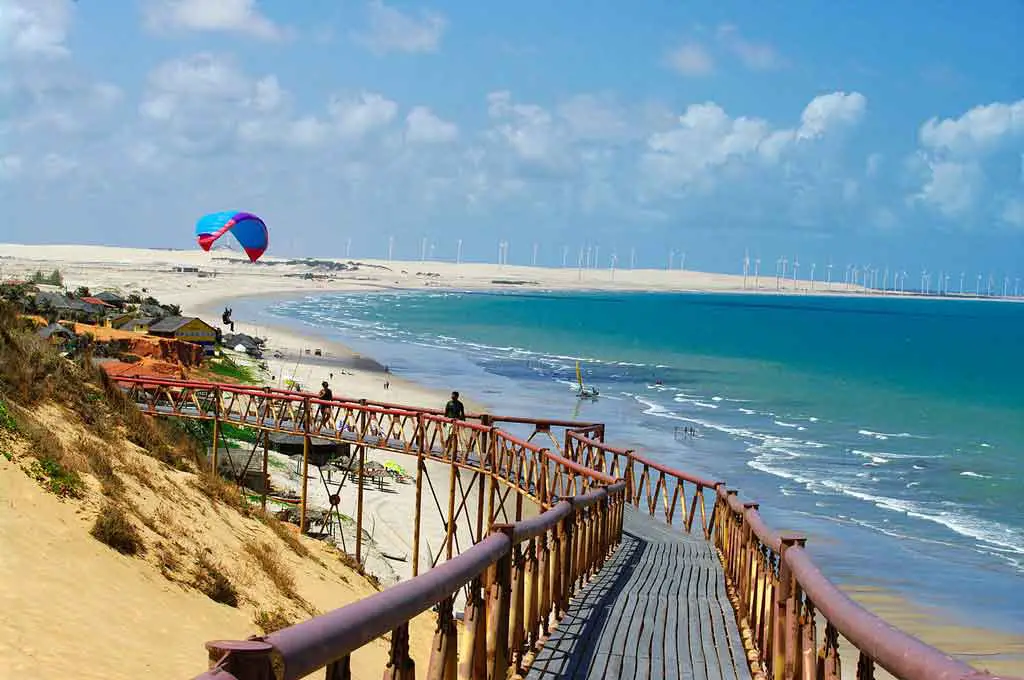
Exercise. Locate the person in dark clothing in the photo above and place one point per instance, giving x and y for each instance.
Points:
(454, 408)
(324, 410)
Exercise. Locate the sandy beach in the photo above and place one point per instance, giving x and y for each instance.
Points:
(224, 276)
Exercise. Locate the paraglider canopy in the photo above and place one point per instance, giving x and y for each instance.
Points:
(248, 229)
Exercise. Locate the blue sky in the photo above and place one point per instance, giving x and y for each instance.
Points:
(869, 133)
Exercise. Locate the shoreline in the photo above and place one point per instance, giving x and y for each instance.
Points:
(937, 628)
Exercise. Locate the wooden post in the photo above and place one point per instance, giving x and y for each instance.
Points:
(567, 557)
(400, 664)
(305, 465)
(543, 583)
(784, 662)
(480, 477)
(266, 481)
(530, 605)
(515, 624)
(216, 429)
(359, 489)
(519, 490)
(498, 612)
(420, 464)
(443, 654)
(450, 526)
(473, 654)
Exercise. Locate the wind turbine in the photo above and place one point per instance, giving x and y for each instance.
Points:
(565, 255)
(671, 258)
(597, 256)
(391, 247)
(423, 250)
(632, 258)
(458, 252)
(615, 259)
(682, 262)
(534, 261)
(796, 268)
(829, 275)
(813, 266)
(961, 283)
(757, 273)
(977, 291)
(746, 267)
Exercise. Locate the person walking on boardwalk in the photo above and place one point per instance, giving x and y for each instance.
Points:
(456, 411)
(454, 408)
(324, 411)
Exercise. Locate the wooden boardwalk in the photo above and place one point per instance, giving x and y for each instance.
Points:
(658, 609)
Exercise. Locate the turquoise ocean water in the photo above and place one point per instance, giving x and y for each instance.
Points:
(891, 431)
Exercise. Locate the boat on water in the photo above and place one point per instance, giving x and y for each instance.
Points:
(584, 392)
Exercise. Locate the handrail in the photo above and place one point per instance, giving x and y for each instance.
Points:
(897, 652)
(774, 585)
(313, 644)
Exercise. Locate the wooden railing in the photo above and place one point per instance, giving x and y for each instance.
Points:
(519, 578)
(791, 616)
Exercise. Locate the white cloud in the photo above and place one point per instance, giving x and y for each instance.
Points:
(357, 116)
(34, 28)
(205, 103)
(756, 56)
(960, 156)
(1013, 212)
(951, 187)
(691, 59)
(838, 109)
(978, 131)
(596, 118)
(422, 126)
(10, 166)
(391, 30)
(707, 140)
(229, 16)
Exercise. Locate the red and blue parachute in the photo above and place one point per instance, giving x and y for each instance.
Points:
(248, 229)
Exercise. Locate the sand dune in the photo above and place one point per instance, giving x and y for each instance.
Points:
(76, 607)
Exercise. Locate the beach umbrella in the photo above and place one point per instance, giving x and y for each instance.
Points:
(391, 466)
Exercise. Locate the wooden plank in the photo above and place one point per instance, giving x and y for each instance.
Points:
(657, 610)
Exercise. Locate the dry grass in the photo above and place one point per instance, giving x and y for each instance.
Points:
(212, 582)
(113, 528)
(272, 565)
(271, 621)
(167, 560)
(98, 459)
(352, 563)
(219, 490)
(288, 537)
(56, 468)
